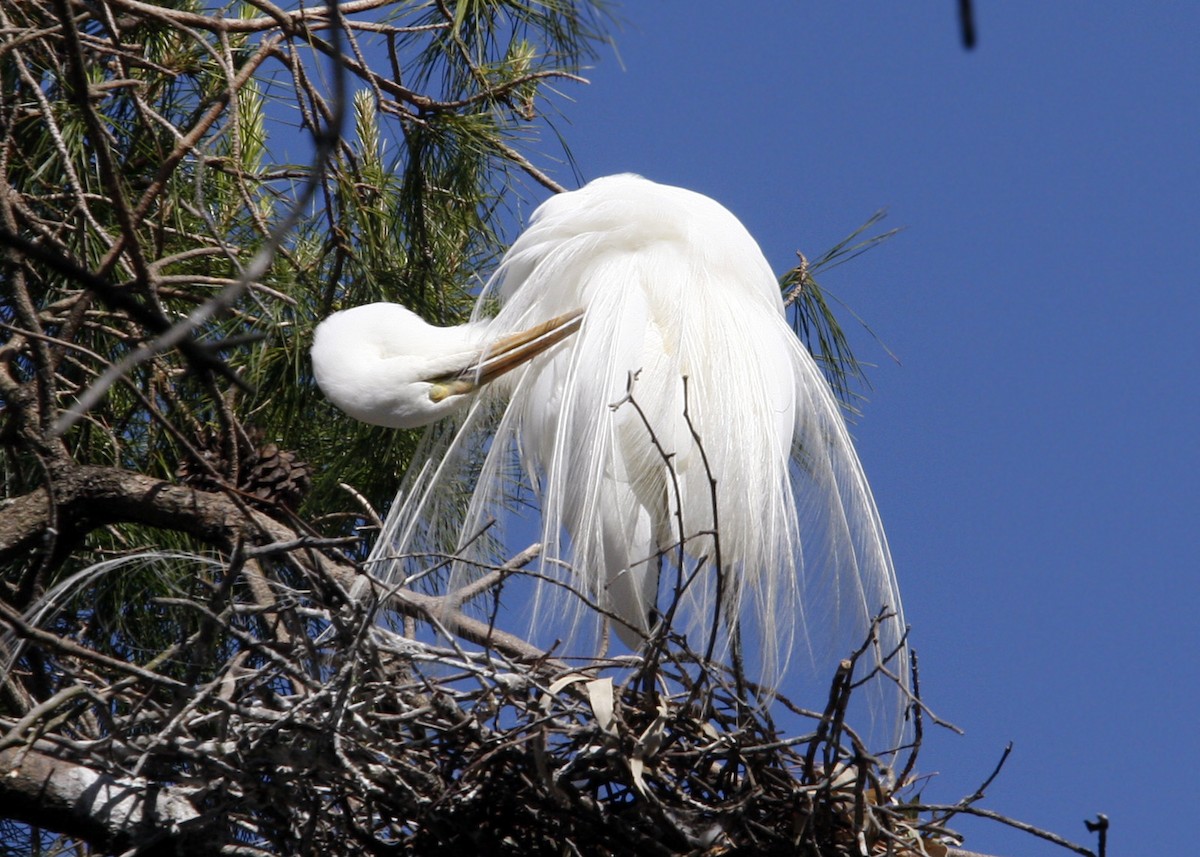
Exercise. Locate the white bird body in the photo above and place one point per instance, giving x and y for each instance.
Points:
(655, 267)
(748, 463)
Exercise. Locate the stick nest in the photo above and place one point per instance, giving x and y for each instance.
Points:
(297, 728)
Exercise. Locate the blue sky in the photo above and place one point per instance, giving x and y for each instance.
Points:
(1034, 453)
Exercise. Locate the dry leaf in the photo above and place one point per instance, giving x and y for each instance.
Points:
(600, 695)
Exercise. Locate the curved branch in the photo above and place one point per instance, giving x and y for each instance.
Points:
(91, 497)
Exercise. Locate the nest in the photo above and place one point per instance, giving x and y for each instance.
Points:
(496, 757)
(286, 726)
(318, 732)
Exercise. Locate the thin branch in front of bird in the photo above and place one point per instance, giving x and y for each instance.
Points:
(442, 560)
(496, 575)
(364, 504)
(872, 643)
(585, 600)
(684, 579)
(718, 566)
(668, 462)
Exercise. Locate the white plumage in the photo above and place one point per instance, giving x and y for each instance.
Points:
(672, 287)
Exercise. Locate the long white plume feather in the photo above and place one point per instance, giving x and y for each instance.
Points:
(616, 450)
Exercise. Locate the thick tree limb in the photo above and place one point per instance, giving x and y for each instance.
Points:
(92, 497)
(111, 813)
(89, 497)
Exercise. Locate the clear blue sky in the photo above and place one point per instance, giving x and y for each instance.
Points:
(1034, 455)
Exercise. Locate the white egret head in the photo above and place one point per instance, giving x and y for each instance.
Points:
(383, 364)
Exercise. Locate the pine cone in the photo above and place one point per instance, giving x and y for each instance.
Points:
(266, 472)
(198, 476)
(276, 475)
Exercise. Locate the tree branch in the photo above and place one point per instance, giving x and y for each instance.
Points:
(114, 814)
(92, 497)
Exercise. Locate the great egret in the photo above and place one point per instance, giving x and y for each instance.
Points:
(680, 440)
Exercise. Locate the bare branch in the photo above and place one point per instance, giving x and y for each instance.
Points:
(112, 813)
